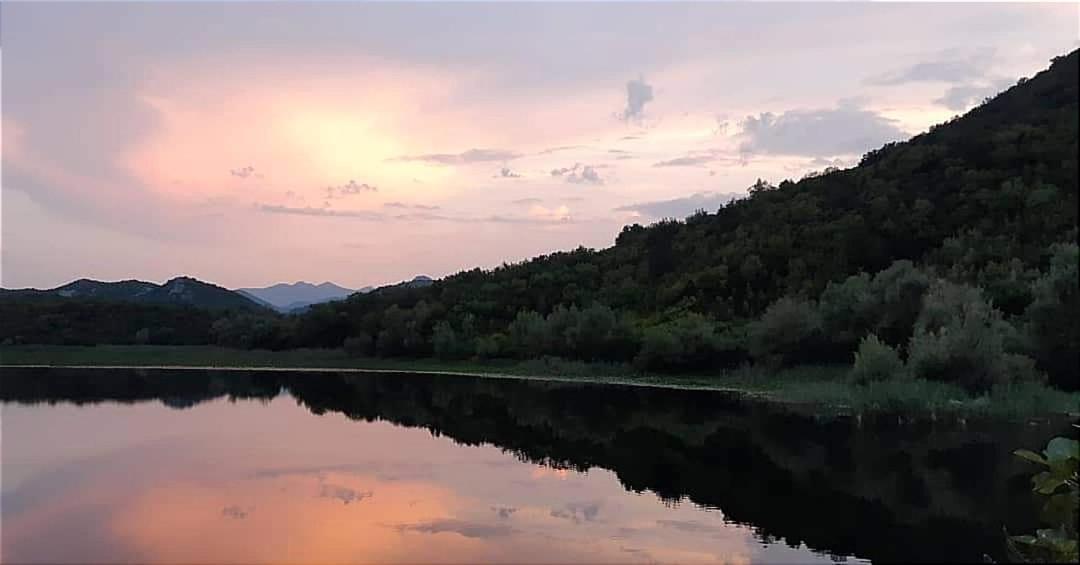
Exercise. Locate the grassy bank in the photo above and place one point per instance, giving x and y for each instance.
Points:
(822, 388)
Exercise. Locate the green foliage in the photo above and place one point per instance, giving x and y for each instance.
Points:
(1060, 484)
(1054, 327)
(876, 361)
(960, 337)
(787, 332)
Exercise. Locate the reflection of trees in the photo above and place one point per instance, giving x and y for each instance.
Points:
(877, 490)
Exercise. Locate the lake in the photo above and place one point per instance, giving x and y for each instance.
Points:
(197, 466)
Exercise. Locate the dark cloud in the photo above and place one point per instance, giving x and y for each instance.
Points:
(344, 494)
(638, 94)
(846, 129)
(964, 96)
(578, 512)
(503, 512)
(579, 174)
(460, 527)
(507, 173)
(681, 207)
(470, 156)
(949, 67)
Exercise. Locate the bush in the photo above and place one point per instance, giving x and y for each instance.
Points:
(1053, 325)
(960, 337)
(876, 361)
(788, 333)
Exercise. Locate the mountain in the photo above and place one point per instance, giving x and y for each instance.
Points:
(289, 297)
(178, 291)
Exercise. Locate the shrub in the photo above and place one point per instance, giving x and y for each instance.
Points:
(1053, 325)
(788, 333)
(960, 337)
(876, 361)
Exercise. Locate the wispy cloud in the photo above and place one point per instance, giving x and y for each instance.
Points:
(404, 206)
(465, 157)
(947, 67)
(461, 527)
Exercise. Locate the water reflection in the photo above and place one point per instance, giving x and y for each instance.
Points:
(226, 467)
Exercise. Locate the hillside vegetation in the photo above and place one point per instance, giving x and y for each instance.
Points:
(949, 257)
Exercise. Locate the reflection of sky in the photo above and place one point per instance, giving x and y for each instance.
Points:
(247, 482)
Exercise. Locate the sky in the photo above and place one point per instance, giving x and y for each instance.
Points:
(364, 143)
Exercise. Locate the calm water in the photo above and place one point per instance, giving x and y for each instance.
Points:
(201, 466)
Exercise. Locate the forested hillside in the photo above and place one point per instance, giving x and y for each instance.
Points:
(951, 256)
(972, 224)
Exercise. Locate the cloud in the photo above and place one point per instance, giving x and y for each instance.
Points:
(578, 511)
(243, 172)
(349, 189)
(309, 211)
(369, 216)
(681, 207)
(403, 206)
(550, 150)
(470, 156)
(503, 512)
(691, 160)
(691, 526)
(579, 174)
(560, 214)
(846, 129)
(964, 96)
(506, 173)
(460, 527)
(236, 512)
(526, 201)
(949, 67)
(638, 94)
(344, 494)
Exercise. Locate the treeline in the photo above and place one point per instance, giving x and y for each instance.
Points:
(951, 256)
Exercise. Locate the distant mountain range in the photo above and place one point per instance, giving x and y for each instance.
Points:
(177, 291)
(285, 297)
(282, 297)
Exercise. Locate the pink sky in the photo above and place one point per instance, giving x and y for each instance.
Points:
(248, 144)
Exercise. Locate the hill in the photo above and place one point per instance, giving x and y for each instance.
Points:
(286, 297)
(984, 202)
(178, 291)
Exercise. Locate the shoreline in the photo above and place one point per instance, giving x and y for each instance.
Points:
(824, 390)
(402, 371)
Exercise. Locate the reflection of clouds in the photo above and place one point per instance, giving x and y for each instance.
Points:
(460, 527)
(578, 511)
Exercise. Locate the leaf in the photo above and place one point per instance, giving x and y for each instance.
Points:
(1030, 456)
(1061, 448)
(1046, 483)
